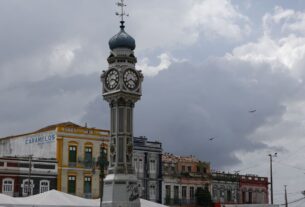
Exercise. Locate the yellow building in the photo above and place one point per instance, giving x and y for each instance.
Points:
(75, 148)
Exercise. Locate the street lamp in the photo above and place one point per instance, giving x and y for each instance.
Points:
(271, 179)
(103, 163)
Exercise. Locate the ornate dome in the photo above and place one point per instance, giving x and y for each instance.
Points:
(122, 40)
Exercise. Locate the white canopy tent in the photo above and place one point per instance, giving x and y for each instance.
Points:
(55, 198)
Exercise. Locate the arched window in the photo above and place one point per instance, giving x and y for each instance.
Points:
(8, 186)
(44, 186)
(27, 187)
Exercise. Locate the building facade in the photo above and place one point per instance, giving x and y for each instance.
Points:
(75, 148)
(182, 176)
(23, 176)
(253, 189)
(147, 157)
(239, 189)
(225, 188)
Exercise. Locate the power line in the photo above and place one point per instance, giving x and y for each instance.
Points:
(288, 165)
(301, 204)
(250, 167)
(283, 204)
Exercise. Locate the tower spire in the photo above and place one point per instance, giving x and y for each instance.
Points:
(122, 13)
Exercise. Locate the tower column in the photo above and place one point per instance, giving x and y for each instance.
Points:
(121, 89)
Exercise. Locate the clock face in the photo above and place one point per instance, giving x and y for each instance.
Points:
(112, 79)
(131, 79)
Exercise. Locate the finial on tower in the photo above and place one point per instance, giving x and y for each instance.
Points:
(122, 13)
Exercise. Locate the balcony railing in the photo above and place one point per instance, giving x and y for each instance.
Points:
(179, 201)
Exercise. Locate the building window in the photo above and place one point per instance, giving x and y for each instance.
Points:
(87, 187)
(189, 169)
(152, 192)
(183, 192)
(176, 192)
(140, 165)
(88, 157)
(152, 166)
(183, 168)
(250, 197)
(72, 184)
(72, 155)
(136, 165)
(243, 197)
(167, 194)
(229, 195)
(192, 193)
(204, 170)
(168, 191)
(27, 187)
(173, 169)
(8, 186)
(44, 186)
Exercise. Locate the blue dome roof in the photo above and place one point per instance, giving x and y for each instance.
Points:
(122, 40)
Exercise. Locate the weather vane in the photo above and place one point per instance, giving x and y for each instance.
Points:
(122, 13)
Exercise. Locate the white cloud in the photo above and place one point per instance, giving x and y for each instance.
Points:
(217, 19)
(288, 21)
(165, 61)
(281, 50)
(287, 51)
(62, 56)
(184, 23)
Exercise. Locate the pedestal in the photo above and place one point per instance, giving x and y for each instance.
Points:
(121, 190)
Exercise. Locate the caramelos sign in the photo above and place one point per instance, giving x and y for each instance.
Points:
(40, 139)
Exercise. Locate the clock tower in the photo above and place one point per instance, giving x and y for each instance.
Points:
(121, 89)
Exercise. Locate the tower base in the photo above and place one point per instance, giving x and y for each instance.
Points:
(121, 190)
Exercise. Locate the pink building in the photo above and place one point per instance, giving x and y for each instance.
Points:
(182, 176)
(253, 189)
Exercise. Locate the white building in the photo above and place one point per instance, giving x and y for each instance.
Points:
(147, 157)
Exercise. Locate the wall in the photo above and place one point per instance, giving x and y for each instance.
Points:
(40, 144)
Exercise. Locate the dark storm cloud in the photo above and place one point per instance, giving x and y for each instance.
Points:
(27, 107)
(29, 27)
(186, 105)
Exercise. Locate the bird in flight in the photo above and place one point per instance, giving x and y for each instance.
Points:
(252, 111)
(212, 138)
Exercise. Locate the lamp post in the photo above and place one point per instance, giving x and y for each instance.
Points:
(286, 200)
(271, 178)
(103, 163)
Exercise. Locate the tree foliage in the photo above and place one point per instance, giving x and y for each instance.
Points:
(203, 197)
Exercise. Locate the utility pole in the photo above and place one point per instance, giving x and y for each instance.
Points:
(271, 176)
(29, 176)
(286, 200)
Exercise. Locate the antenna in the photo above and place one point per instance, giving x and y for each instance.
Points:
(122, 13)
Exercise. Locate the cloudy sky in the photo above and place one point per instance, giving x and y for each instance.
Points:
(207, 63)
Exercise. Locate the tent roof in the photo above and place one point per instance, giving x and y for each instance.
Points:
(57, 198)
